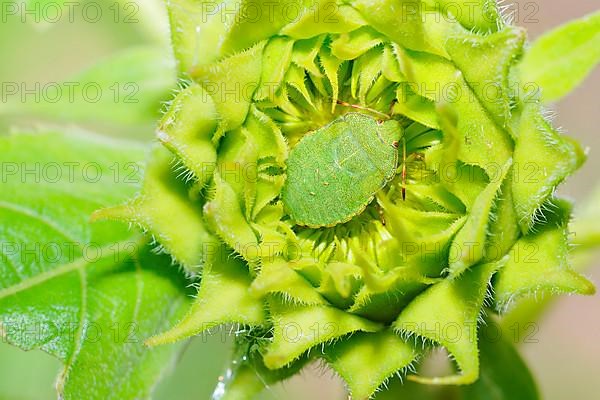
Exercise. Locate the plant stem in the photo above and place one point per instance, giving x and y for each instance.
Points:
(239, 384)
(240, 381)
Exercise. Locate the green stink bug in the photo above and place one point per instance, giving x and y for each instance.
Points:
(334, 172)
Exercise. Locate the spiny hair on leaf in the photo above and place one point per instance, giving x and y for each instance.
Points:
(182, 84)
(400, 374)
(481, 317)
(504, 306)
(490, 292)
(540, 214)
(445, 271)
(549, 114)
(323, 369)
(182, 172)
(158, 249)
(417, 339)
(506, 11)
(196, 283)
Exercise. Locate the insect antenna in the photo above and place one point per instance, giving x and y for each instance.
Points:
(356, 106)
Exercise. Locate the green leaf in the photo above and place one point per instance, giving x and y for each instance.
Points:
(126, 307)
(562, 58)
(125, 89)
(67, 288)
(503, 374)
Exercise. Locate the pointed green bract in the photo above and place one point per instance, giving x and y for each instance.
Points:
(503, 228)
(469, 243)
(278, 278)
(490, 83)
(543, 159)
(231, 83)
(481, 141)
(354, 44)
(401, 21)
(225, 217)
(223, 298)
(415, 107)
(195, 47)
(538, 263)
(366, 360)
(163, 209)
(297, 329)
(338, 19)
(187, 129)
(259, 20)
(480, 15)
(447, 314)
(503, 375)
(276, 59)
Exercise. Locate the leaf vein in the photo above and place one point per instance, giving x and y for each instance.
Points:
(28, 212)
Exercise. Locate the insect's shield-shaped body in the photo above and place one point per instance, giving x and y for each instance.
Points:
(334, 172)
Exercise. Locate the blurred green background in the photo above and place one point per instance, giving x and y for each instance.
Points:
(564, 352)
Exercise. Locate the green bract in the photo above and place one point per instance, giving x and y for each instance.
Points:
(354, 179)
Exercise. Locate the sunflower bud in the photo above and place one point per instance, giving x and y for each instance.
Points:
(350, 179)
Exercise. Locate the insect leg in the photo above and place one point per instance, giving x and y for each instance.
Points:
(394, 101)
